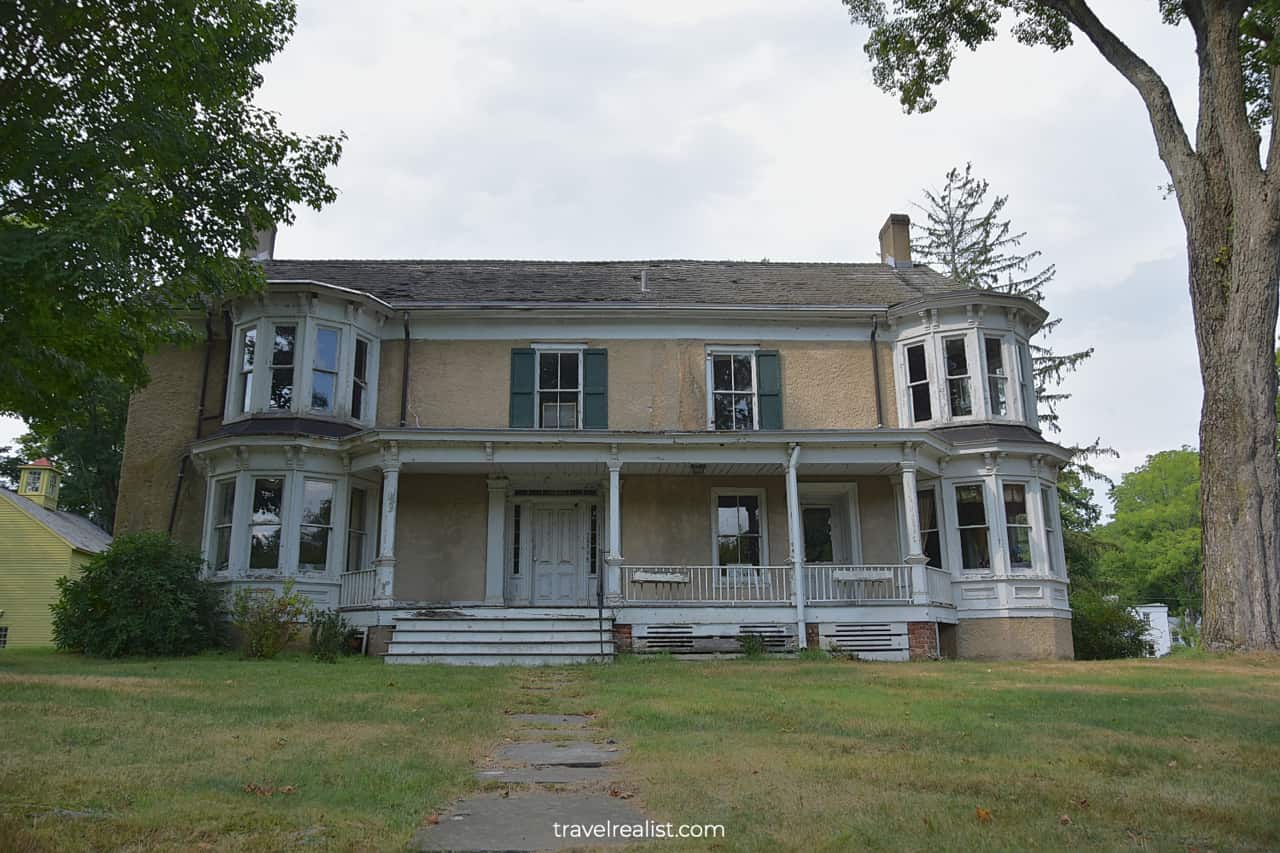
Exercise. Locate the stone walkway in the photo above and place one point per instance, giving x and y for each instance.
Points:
(557, 769)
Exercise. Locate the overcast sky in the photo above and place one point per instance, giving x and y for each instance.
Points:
(744, 129)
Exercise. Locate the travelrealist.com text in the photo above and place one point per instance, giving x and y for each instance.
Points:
(648, 829)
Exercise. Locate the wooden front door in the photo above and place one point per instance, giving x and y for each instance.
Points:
(557, 555)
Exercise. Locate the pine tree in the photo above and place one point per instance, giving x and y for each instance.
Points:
(964, 237)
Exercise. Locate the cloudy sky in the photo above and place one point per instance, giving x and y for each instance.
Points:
(744, 129)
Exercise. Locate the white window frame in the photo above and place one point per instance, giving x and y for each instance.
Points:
(215, 525)
(539, 351)
(32, 475)
(246, 382)
(909, 403)
(934, 486)
(365, 384)
(759, 494)
(1027, 385)
(299, 335)
(1052, 525)
(1011, 400)
(313, 336)
(1005, 524)
(711, 353)
(286, 504)
(988, 517)
(331, 526)
(363, 561)
(945, 379)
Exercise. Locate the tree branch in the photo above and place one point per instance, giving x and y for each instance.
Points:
(1171, 137)
(1240, 141)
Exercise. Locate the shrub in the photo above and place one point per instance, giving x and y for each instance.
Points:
(1104, 629)
(268, 622)
(752, 645)
(142, 596)
(331, 635)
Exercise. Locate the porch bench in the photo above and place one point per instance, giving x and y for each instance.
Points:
(660, 577)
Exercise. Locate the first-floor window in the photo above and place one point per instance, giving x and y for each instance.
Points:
(224, 501)
(739, 532)
(264, 523)
(971, 517)
(248, 341)
(930, 539)
(1018, 525)
(594, 567)
(356, 530)
(313, 538)
(559, 389)
(1050, 528)
(733, 388)
(4, 636)
(515, 539)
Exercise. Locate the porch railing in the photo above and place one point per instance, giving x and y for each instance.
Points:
(708, 584)
(357, 588)
(873, 584)
(939, 586)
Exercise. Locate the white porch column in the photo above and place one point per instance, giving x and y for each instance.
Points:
(613, 560)
(385, 564)
(915, 547)
(795, 538)
(495, 547)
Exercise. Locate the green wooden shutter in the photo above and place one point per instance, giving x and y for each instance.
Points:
(595, 389)
(769, 389)
(522, 377)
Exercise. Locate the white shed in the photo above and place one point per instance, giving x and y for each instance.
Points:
(1157, 618)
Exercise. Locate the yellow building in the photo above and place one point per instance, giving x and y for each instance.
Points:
(38, 545)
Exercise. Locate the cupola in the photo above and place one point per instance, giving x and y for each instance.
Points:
(38, 481)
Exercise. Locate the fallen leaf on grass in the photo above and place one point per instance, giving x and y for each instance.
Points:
(433, 819)
(1065, 820)
(1084, 804)
(984, 815)
(1173, 764)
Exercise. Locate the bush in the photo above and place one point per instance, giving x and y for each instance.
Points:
(1104, 629)
(331, 635)
(268, 622)
(142, 596)
(752, 645)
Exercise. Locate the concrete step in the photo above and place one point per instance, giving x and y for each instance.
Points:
(482, 647)
(509, 625)
(495, 659)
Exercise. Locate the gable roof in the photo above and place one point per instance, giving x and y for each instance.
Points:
(413, 284)
(77, 531)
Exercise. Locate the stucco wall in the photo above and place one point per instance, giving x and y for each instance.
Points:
(440, 537)
(878, 516)
(653, 384)
(1015, 638)
(162, 422)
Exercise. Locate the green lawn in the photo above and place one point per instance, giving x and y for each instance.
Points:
(823, 755)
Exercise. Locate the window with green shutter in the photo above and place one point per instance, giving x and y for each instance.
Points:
(523, 364)
(769, 389)
(595, 389)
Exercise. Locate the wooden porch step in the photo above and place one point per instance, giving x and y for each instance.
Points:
(512, 625)
(495, 659)
(500, 636)
(531, 647)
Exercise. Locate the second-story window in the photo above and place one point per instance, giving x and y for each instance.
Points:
(324, 370)
(559, 390)
(1028, 386)
(958, 392)
(248, 341)
(360, 379)
(282, 367)
(997, 378)
(918, 383)
(733, 389)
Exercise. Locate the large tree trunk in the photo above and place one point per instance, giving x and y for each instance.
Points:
(1233, 251)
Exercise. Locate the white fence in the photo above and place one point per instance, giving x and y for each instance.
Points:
(357, 588)
(858, 584)
(824, 584)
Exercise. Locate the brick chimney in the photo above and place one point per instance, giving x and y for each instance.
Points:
(265, 248)
(895, 241)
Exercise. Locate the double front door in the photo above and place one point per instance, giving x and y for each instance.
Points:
(561, 544)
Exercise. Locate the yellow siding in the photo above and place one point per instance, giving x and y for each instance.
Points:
(31, 561)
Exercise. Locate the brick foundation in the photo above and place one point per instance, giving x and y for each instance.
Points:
(622, 638)
(811, 635)
(922, 640)
(379, 640)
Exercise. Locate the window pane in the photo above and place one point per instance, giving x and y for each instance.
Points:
(327, 349)
(313, 548)
(246, 391)
(266, 500)
(317, 501)
(723, 407)
(281, 387)
(1020, 547)
(975, 548)
(33, 481)
(224, 502)
(548, 370)
(362, 359)
(999, 401)
(282, 352)
(742, 373)
(568, 370)
(957, 361)
(264, 547)
(322, 390)
(961, 404)
(933, 549)
(916, 370)
(921, 404)
(728, 520)
(749, 550)
(817, 535)
(969, 506)
(995, 356)
(743, 412)
(221, 548)
(357, 401)
(928, 509)
(355, 551)
(722, 372)
(728, 550)
(1015, 504)
(247, 344)
(356, 518)
(750, 513)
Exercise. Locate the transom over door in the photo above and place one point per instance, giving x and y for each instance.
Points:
(557, 555)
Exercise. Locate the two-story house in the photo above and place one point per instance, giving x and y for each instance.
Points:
(507, 461)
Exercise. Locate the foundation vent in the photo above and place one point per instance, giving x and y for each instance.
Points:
(871, 640)
(665, 638)
(777, 638)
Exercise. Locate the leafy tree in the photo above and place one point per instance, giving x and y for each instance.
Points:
(966, 237)
(1080, 516)
(1227, 185)
(1152, 545)
(134, 168)
(87, 442)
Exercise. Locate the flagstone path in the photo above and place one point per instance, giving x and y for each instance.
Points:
(557, 769)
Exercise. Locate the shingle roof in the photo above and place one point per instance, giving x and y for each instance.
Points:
(81, 533)
(405, 284)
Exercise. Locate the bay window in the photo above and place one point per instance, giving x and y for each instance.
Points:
(315, 526)
(959, 394)
(324, 370)
(248, 340)
(224, 501)
(971, 517)
(282, 367)
(360, 379)
(997, 381)
(1018, 525)
(264, 524)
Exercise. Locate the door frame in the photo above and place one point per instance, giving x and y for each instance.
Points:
(521, 587)
(831, 495)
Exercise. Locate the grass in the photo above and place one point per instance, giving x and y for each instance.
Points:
(789, 754)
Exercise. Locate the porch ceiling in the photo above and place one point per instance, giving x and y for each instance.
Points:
(599, 470)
